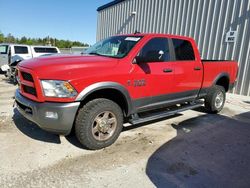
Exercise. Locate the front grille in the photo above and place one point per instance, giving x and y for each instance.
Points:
(30, 90)
(27, 84)
(26, 76)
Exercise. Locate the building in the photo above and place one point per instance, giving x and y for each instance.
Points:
(221, 28)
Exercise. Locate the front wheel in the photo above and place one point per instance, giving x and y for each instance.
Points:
(215, 100)
(98, 123)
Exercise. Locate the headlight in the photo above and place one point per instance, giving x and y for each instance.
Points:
(57, 88)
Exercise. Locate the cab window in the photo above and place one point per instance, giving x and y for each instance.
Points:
(156, 50)
(21, 49)
(183, 50)
(3, 49)
(45, 50)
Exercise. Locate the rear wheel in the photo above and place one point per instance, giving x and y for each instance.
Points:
(215, 100)
(98, 123)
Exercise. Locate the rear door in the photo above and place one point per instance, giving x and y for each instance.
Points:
(188, 70)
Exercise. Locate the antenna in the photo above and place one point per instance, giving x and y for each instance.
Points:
(137, 32)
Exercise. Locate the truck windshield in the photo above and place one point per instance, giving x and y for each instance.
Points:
(3, 49)
(117, 46)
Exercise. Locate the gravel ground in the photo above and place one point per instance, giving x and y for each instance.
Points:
(148, 155)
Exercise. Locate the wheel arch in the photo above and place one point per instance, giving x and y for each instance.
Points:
(109, 90)
(223, 79)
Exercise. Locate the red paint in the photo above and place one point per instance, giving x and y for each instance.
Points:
(82, 71)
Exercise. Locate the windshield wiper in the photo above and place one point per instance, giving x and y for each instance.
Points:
(94, 53)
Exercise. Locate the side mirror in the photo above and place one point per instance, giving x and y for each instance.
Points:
(138, 60)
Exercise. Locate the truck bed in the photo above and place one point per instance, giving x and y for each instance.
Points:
(213, 68)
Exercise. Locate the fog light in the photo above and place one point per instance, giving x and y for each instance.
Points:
(51, 115)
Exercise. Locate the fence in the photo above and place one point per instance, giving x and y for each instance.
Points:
(73, 50)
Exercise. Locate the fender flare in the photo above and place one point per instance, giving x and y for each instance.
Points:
(106, 85)
(219, 76)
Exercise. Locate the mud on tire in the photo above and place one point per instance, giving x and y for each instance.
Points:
(98, 123)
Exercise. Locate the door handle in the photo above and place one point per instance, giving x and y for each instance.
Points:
(167, 70)
(197, 68)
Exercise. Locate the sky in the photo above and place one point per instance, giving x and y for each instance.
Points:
(63, 19)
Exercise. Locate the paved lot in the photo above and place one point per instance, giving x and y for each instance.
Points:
(192, 149)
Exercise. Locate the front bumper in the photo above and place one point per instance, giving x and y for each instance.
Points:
(35, 112)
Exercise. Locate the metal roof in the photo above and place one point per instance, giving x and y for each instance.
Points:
(109, 4)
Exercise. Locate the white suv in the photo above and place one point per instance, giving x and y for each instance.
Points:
(10, 52)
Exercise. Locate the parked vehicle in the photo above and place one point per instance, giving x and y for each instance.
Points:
(7, 51)
(12, 54)
(10, 70)
(126, 78)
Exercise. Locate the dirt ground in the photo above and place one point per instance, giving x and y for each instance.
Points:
(191, 149)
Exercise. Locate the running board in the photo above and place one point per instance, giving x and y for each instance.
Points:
(137, 119)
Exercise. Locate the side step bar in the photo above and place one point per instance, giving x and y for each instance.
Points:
(136, 118)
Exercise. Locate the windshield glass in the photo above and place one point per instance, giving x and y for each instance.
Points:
(117, 46)
(3, 49)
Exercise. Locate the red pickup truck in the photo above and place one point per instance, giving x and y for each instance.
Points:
(126, 78)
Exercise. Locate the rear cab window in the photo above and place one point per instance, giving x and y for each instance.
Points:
(4, 49)
(183, 50)
(21, 49)
(45, 50)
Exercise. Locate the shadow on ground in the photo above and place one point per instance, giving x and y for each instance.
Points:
(8, 81)
(73, 140)
(32, 130)
(209, 151)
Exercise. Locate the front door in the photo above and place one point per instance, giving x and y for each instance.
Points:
(4, 54)
(159, 72)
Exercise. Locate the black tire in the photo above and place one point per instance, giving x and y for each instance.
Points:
(86, 123)
(212, 102)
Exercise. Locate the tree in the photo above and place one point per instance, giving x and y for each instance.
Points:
(1, 37)
(40, 41)
(10, 38)
(30, 41)
(23, 40)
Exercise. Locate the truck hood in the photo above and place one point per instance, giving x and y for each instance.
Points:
(64, 66)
